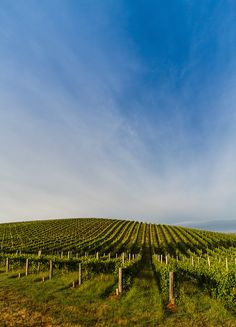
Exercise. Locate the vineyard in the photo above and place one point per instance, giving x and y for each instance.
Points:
(120, 256)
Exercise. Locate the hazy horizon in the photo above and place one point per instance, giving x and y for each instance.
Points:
(118, 109)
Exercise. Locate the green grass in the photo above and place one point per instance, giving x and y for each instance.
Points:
(196, 308)
(30, 302)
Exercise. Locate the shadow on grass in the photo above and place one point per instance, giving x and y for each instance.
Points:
(66, 287)
(15, 276)
(156, 278)
(108, 291)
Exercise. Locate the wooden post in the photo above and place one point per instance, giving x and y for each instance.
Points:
(192, 261)
(39, 253)
(171, 288)
(27, 267)
(68, 254)
(97, 255)
(133, 256)
(80, 273)
(109, 256)
(19, 275)
(209, 262)
(120, 281)
(166, 260)
(7, 265)
(123, 257)
(50, 269)
(161, 258)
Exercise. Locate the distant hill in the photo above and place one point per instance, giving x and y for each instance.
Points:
(226, 226)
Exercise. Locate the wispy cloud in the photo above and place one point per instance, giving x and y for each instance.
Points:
(75, 141)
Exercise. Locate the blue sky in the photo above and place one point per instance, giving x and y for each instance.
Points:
(120, 109)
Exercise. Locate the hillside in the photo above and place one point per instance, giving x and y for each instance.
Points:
(73, 264)
(107, 235)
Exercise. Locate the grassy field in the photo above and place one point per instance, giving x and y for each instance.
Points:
(28, 301)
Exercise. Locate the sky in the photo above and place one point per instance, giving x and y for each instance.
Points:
(121, 109)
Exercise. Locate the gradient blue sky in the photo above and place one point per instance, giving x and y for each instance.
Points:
(118, 109)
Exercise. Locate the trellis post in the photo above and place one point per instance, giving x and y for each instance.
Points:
(27, 267)
(171, 288)
(7, 265)
(50, 269)
(120, 281)
(80, 274)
